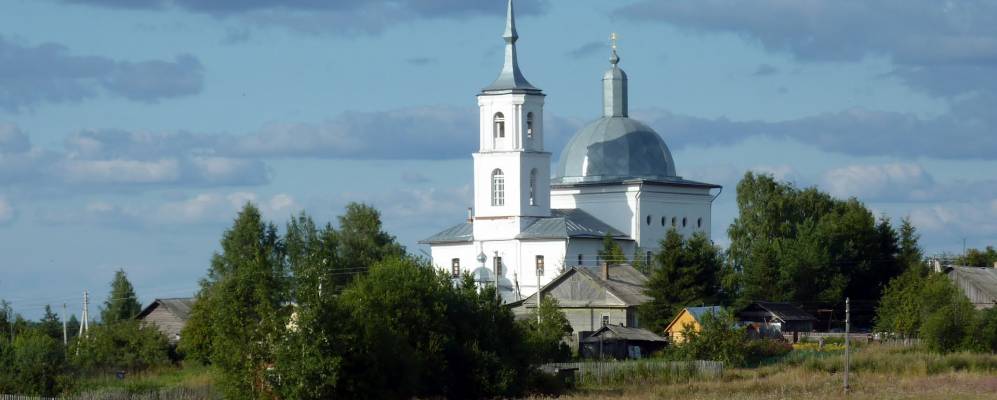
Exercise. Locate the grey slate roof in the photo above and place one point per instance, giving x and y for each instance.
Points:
(562, 224)
(783, 311)
(610, 332)
(979, 284)
(178, 306)
(569, 223)
(625, 282)
(460, 233)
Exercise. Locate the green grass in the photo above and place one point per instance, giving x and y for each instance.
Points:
(192, 376)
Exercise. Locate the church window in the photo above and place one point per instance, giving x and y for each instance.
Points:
(455, 267)
(674, 221)
(499, 125)
(498, 267)
(699, 223)
(533, 187)
(498, 188)
(649, 219)
(540, 265)
(529, 125)
(684, 221)
(580, 260)
(663, 219)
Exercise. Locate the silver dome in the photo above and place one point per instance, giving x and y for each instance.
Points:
(615, 148)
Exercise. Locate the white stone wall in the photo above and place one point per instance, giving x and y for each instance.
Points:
(518, 262)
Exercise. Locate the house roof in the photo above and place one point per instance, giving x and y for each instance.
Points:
(625, 283)
(179, 306)
(622, 332)
(696, 312)
(783, 311)
(562, 224)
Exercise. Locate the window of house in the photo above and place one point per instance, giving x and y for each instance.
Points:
(663, 220)
(540, 265)
(455, 267)
(533, 187)
(648, 219)
(498, 266)
(529, 125)
(498, 188)
(499, 130)
(699, 222)
(580, 262)
(684, 221)
(605, 319)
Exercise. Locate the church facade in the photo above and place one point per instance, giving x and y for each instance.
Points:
(615, 177)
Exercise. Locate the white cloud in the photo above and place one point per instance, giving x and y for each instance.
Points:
(121, 171)
(884, 181)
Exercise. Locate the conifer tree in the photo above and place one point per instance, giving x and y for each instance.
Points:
(684, 273)
(121, 303)
(611, 251)
(50, 324)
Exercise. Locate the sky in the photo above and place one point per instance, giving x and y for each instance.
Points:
(132, 131)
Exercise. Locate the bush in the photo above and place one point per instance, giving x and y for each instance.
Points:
(759, 350)
(33, 364)
(719, 339)
(125, 345)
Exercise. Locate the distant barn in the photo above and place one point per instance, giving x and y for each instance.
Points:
(168, 315)
(767, 318)
(979, 284)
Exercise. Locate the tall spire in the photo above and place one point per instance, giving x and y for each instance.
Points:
(614, 87)
(511, 78)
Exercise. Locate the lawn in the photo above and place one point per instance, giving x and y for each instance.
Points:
(878, 372)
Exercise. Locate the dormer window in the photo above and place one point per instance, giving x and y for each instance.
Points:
(499, 123)
(529, 125)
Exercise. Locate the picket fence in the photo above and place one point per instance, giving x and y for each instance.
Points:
(181, 393)
(638, 371)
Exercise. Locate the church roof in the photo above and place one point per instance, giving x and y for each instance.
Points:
(562, 224)
(511, 78)
(615, 148)
(569, 223)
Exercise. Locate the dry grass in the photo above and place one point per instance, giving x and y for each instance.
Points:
(879, 376)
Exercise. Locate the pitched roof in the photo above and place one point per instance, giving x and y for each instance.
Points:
(562, 224)
(784, 311)
(625, 283)
(179, 306)
(984, 280)
(460, 233)
(622, 332)
(569, 223)
(696, 312)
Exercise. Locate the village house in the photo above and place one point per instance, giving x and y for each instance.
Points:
(592, 298)
(766, 318)
(691, 317)
(979, 284)
(168, 315)
(620, 342)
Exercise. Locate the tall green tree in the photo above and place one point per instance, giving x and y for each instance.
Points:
(684, 273)
(121, 303)
(33, 364)
(979, 258)
(50, 324)
(910, 249)
(362, 242)
(239, 314)
(545, 330)
(611, 251)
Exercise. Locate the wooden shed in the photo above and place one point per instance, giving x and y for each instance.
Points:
(767, 318)
(168, 315)
(691, 317)
(620, 342)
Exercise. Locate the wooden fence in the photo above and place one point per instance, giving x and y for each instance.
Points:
(181, 393)
(638, 371)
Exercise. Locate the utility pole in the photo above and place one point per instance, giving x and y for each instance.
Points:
(85, 324)
(847, 346)
(65, 335)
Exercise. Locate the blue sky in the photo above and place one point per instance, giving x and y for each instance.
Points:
(132, 130)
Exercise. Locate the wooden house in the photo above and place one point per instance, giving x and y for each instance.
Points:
(620, 342)
(691, 317)
(766, 318)
(979, 284)
(593, 297)
(168, 315)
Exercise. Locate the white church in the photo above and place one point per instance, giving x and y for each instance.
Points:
(615, 177)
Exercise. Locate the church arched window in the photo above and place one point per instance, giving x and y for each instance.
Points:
(499, 122)
(533, 187)
(498, 188)
(529, 125)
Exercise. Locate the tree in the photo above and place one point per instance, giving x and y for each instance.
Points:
(910, 250)
(362, 242)
(121, 303)
(899, 310)
(33, 364)
(979, 258)
(72, 327)
(611, 251)
(545, 330)
(719, 339)
(239, 315)
(123, 345)
(684, 272)
(50, 324)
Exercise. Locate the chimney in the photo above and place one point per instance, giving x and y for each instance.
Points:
(605, 271)
(470, 214)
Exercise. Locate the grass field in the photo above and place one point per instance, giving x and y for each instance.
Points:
(876, 373)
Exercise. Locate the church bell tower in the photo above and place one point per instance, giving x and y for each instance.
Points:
(511, 168)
